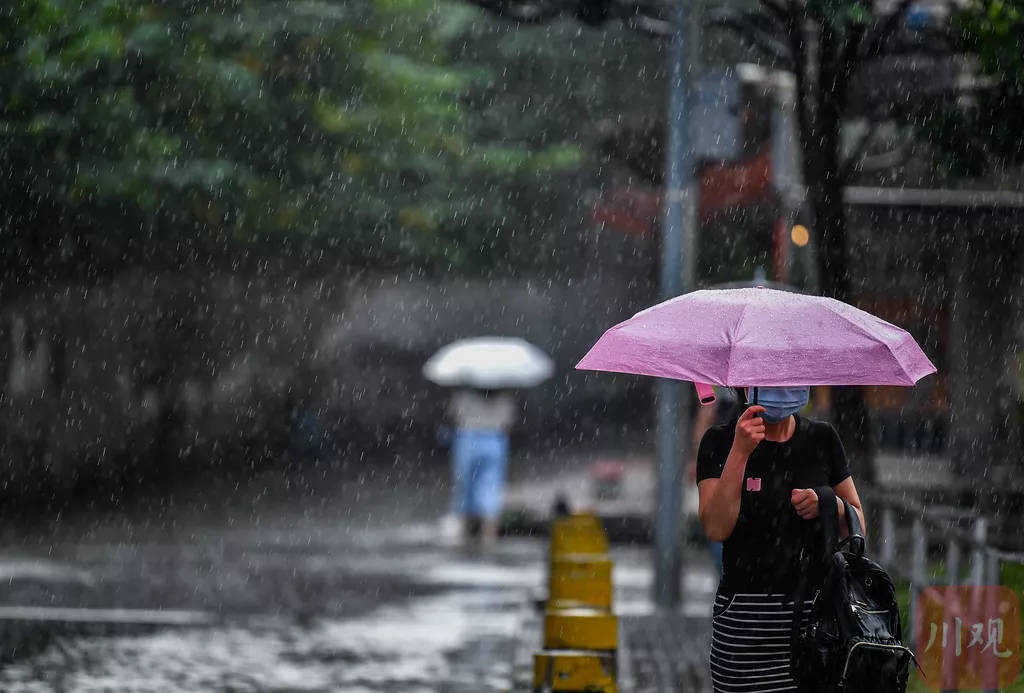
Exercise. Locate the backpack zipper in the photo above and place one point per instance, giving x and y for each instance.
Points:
(846, 666)
(853, 607)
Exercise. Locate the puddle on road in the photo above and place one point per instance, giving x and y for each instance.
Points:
(460, 640)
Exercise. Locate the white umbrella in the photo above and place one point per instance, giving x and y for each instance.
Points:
(489, 363)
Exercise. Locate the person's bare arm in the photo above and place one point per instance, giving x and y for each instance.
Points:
(719, 503)
(705, 419)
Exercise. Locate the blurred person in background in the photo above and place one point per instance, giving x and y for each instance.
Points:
(482, 420)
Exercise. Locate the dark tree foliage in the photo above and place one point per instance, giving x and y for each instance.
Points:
(986, 132)
(138, 131)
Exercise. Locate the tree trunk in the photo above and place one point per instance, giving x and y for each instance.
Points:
(825, 188)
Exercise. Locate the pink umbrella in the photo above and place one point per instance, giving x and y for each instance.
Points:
(759, 337)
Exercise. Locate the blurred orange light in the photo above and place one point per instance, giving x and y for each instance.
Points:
(800, 235)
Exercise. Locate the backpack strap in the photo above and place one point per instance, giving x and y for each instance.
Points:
(856, 540)
(813, 564)
(852, 519)
(829, 513)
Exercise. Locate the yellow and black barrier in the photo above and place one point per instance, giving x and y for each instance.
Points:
(580, 580)
(578, 534)
(580, 630)
(576, 671)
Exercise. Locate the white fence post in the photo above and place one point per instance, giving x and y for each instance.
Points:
(992, 577)
(992, 571)
(952, 562)
(980, 531)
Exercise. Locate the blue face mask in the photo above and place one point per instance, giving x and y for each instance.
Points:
(779, 402)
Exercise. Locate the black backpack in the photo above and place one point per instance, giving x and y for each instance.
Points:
(848, 639)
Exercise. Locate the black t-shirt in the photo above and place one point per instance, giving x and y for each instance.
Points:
(762, 553)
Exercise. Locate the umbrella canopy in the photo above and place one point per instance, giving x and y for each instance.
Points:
(760, 337)
(489, 363)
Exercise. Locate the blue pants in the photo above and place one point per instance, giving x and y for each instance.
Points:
(479, 463)
(716, 555)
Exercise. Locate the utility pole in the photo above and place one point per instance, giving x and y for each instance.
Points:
(678, 249)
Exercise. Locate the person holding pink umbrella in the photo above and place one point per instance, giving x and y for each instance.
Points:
(756, 475)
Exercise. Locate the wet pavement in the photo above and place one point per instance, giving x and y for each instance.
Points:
(338, 585)
(417, 620)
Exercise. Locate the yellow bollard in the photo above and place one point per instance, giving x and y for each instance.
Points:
(569, 670)
(580, 632)
(580, 580)
(580, 629)
(578, 521)
(585, 541)
(578, 534)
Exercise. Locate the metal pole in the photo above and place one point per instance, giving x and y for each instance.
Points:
(677, 262)
(668, 564)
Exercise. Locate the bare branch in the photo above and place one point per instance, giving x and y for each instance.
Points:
(897, 156)
(882, 162)
(859, 150)
(745, 25)
(658, 28)
(652, 9)
(765, 21)
(885, 30)
(777, 9)
(524, 12)
(926, 36)
(652, 17)
(904, 50)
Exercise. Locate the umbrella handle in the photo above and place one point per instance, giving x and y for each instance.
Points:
(705, 393)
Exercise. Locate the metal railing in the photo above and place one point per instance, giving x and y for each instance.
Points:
(909, 528)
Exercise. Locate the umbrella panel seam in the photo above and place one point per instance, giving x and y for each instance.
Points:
(883, 342)
(728, 362)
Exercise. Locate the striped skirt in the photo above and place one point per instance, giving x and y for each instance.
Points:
(750, 636)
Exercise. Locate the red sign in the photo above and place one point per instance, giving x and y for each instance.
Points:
(733, 185)
(630, 211)
(721, 186)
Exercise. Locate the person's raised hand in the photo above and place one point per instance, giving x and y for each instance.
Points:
(805, 502)
(749, 430)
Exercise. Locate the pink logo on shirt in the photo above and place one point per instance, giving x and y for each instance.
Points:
(753, 483)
